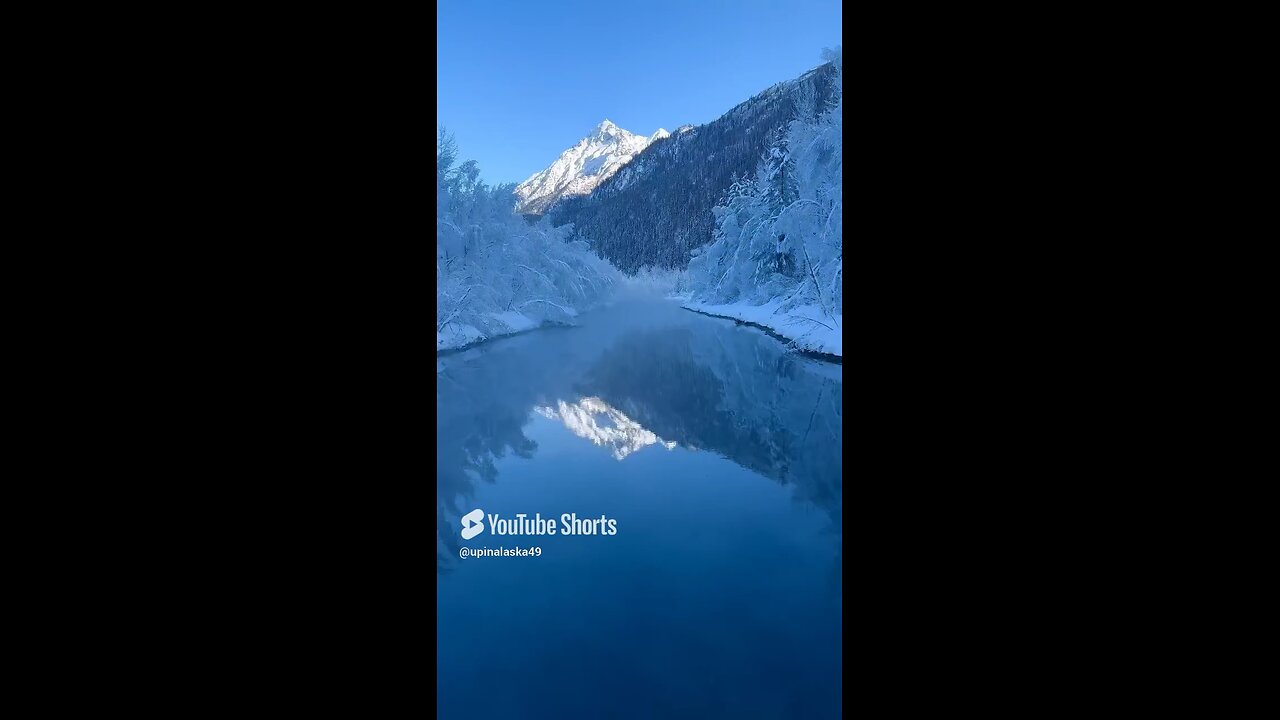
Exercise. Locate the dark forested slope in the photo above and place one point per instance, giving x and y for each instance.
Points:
(656, 208)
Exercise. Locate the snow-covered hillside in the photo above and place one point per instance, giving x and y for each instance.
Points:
(777, 255)
(582, 167)
(657, 208)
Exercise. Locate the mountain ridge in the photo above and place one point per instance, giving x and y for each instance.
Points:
(654, 210)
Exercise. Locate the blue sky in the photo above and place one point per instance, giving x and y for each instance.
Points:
(519, 81)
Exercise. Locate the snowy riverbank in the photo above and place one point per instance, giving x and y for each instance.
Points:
(457, 335)
(807, 327)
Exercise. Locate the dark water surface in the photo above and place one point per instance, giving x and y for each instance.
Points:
(718, 456)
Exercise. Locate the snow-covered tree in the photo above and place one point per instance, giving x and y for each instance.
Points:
(779, 238)
(497, 273)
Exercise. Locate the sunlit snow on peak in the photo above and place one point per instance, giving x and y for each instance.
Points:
(602, 424)
(582, 167)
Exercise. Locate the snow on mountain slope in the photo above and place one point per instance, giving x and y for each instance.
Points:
(657, 208)
(582, 167)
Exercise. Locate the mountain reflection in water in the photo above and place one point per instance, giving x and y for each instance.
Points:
(720, 594)
(633, 377)
(595, 420)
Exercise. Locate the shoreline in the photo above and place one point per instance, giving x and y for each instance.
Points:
(442, 352)
(789, 342)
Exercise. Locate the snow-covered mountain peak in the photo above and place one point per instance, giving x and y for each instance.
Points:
(582, 167)
(661, 133)
(607, 130)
